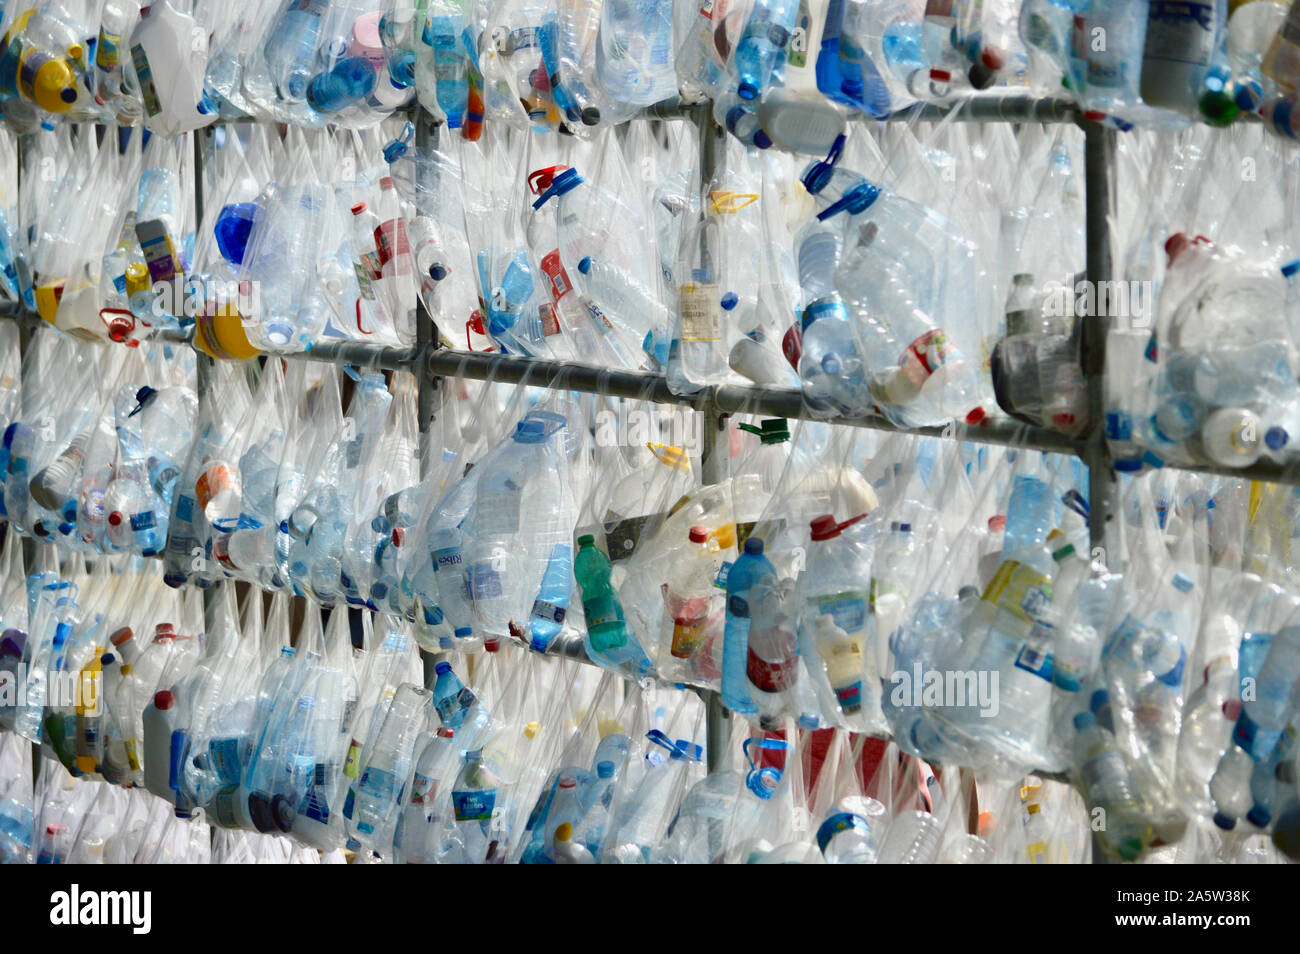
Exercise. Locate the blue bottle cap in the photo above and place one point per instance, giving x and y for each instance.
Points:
(762, 140)
(754, 546)
(1084, 720)
(1128, 466)
(442, 668)
(1227, 823)
(584, 266)
(729, 301)
(438, 271)
(1183, 583)
(605, 770)
(1259, 816)
(464, 632)
(747, 91)
(1276, 438)
(107, 659)
(530, 432)
(1291, 268)
(1099, 700)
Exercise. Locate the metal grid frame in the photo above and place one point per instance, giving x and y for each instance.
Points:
(429, 362)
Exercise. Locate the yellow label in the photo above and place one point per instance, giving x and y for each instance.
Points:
(1019, 590)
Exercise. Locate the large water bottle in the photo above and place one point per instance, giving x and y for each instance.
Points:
(699, 347)
(475, 799)
(1264, 717)
(1251, 29)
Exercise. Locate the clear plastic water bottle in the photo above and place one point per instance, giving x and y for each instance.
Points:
(761, 49)
(847, 836)
(290, 47)
(749, 570)
(1106, 784)
(830, 362)
(634, 52)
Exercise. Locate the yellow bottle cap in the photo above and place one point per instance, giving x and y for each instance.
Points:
(55, 86)
(137, 278)
(725, 536)
(532, 728)
(671, 456)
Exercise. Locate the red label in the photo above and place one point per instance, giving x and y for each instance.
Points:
(926, 355)
(550, 320)
(771, 676)
(390, 240)
(553, 269)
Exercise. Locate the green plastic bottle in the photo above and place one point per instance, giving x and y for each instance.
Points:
(606, 626)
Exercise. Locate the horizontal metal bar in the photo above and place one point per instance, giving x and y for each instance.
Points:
(361, 354)
(993, 108)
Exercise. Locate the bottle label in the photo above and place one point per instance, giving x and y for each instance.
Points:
(688, 637)
(447, 558)
(365, 287)
(474, 806)
(555, 274)
(423, 789)
(700, 313)
(483, 582)
(848, 610)
(1180, 31)
(771, 675)
(223, 756)
(797, 56)
(823, 309)
(391, 241)
(159, 251)
(600, 611)
(548, 611)
(378, 784)
(212, 482)
(352, 763)
(550, 319)
(926, 355)
(724, 572)
(840, 821)
(1019, 590)
(1035, 661)
(452, 710)
(143, 521)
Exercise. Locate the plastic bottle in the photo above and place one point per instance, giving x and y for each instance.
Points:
(634, 52)
(474, 797)
(590, 832)
(830, 362)
(452, 699)
(760, 51)
(562, 820)
(1252, 27)
(701, 355)
(750, 571)
(169, 51)
(606, 624)
(692, 596)
(421, 824)
(1105, 783)
(1281, 61)
(161, 719)
(290, 47)
(376, 796)
(837, 590)
(847, 835)
(1180, 43)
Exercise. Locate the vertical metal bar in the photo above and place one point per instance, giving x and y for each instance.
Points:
(1099, 151)
(715, 455)
(426, 337)
(204, 369)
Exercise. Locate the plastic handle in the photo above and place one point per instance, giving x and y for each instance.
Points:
(540, 181)
(819, 175)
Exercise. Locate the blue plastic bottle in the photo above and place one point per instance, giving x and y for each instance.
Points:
(761, 49)
(351, 79)
(750, 568)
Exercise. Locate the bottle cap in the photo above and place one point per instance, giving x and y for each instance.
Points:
(584, 266)
(442, 668)
(754, 546)
(729, 301)
(568, 781)
(586, 540)
(358, 208)
(1099, 700)
(107, 659)
(998, 522)
(463, 632)
(1276, 438)
(747, 91)
(387, 183)
(1291, 268)
(163, 699)
(1084, 720)
(604, 770)
(699, 535)
(121, 636)
(445, 733)
(492, 643)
